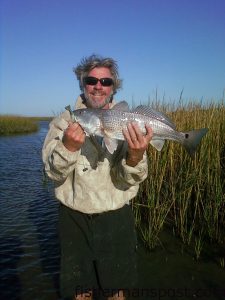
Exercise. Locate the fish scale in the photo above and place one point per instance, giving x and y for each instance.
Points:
(114, 121)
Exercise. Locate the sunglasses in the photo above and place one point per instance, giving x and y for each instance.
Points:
(93, 81)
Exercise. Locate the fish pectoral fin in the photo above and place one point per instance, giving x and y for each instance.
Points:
(111, 144)
(157, 144)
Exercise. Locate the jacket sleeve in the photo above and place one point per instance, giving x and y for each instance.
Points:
(127, 176)
(58, 161)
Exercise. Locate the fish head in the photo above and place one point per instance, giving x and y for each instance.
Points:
(89, 120)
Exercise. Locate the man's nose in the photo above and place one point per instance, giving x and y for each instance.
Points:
(98, 85)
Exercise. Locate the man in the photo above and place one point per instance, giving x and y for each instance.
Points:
(96, 224)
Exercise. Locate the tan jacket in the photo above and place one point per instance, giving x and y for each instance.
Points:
(90, 180)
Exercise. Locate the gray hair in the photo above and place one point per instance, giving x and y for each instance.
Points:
(95, 61)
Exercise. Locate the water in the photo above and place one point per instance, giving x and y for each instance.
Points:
(29, 249)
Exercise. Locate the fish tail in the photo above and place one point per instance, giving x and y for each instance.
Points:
(192, 140)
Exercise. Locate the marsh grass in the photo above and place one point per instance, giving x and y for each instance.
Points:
(10, 124)
(186, 194)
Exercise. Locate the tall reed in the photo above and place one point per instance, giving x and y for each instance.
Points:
(188, 194)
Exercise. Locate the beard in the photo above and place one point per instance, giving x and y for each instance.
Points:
(92, 103)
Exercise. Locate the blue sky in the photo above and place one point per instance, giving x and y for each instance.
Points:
(163, 45)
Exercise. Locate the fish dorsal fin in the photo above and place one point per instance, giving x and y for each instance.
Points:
(121, 106)
(150, 112)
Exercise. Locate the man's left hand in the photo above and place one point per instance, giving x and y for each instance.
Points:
(137, 143)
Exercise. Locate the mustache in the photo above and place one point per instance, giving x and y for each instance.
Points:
(98, 93)
(93, 102)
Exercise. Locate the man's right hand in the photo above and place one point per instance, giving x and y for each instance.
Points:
(73, 137)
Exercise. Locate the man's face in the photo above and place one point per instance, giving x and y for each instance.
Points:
(97, 95)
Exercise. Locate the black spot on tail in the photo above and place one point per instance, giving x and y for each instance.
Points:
(192, 139)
